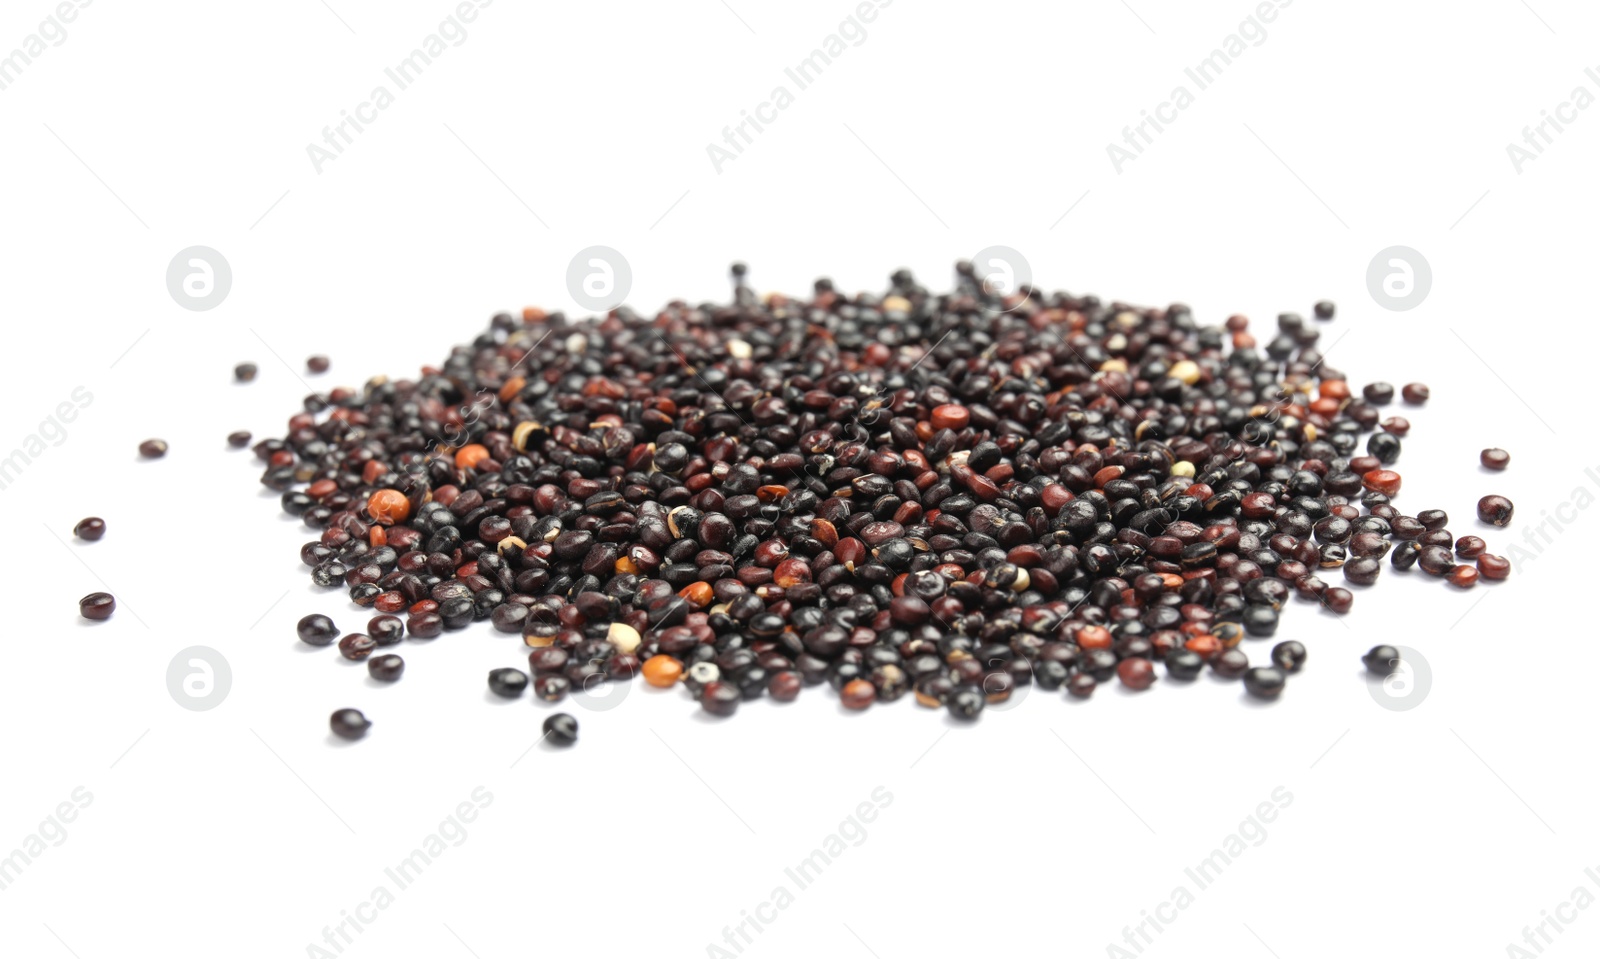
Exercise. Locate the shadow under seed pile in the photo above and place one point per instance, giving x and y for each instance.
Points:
(946, 496)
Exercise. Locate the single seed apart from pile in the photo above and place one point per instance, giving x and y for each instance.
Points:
(1381, 660)
(561, 729)
(317, 630)
(90, 529)
(1495, 458)
(1414, 393)
(153, 449)
(1495, 510)
(349, 724)
(317, 363)
(244, 372)
(97, 606)
(239, 439)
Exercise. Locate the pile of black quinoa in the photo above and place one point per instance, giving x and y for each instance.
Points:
(944, 495)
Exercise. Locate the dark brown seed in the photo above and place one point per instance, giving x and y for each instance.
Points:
(1136, 673)
(1436, 560)
(97, 606)
(1464, 576)
(857, 694)
(349, 724)
(1363, 570)
(1495, 510)
(357, 646)
(1470, 547)
(153, 449)
(1491, 566)
(90, 529)
(239, 439)
(1230, 663)
(722, 699)
(1414, 393)
(244, 372)
(317, 363)
(386, 668)
(1495, 458)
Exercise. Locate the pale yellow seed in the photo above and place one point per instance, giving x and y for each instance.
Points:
(896, 304)
(1023, 581)
(1186, 372)
(624, 637)
(739, 349)
(532, 639)
(510, 543)
(1183, 468)
(519, 435)
(1114, 365)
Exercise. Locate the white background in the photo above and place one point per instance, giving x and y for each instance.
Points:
(1045, 829)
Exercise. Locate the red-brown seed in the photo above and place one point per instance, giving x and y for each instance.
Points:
(1386, 482)
(1491, 566)
(950, 416)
